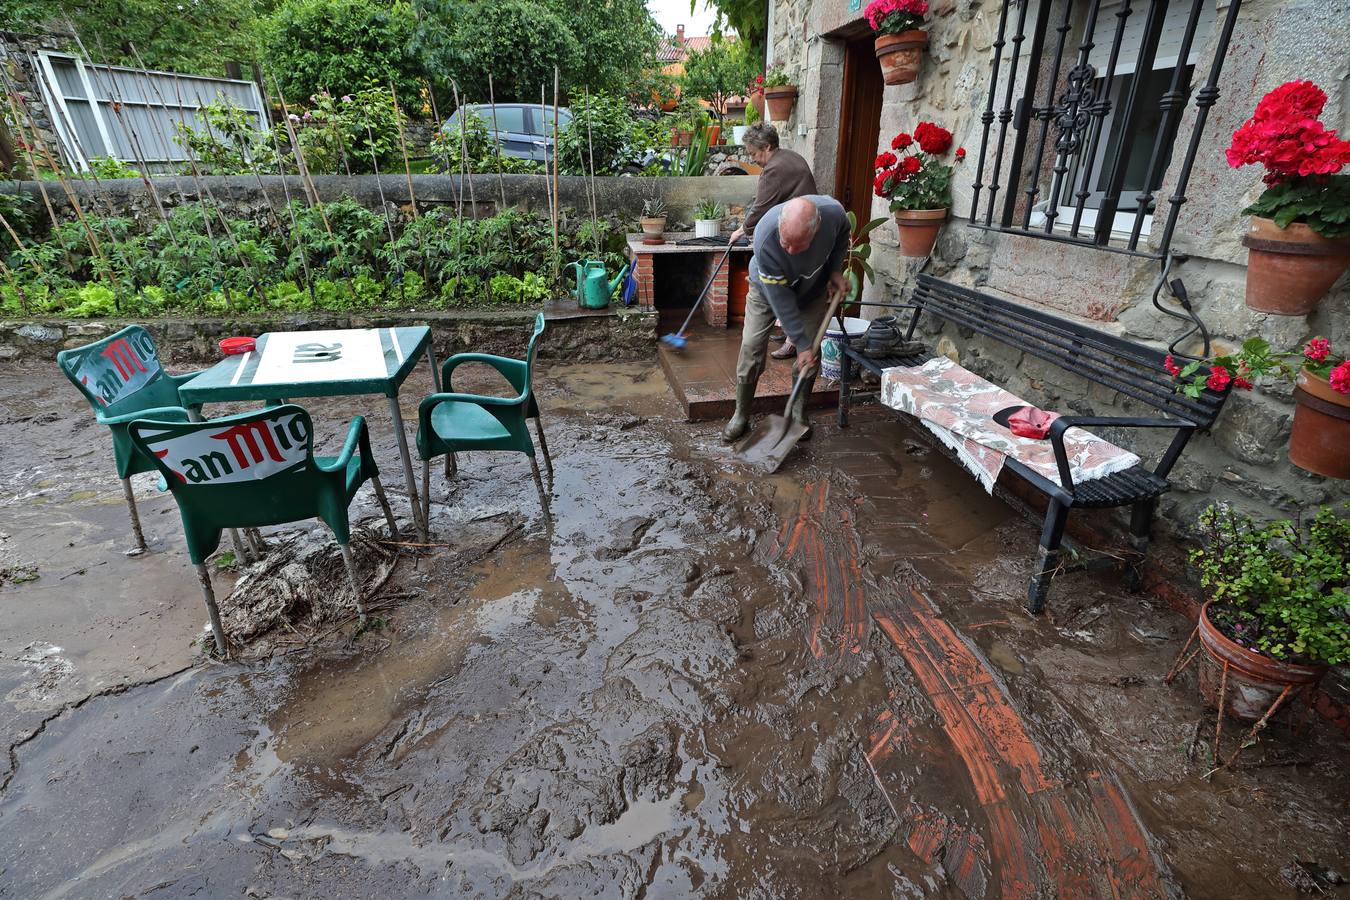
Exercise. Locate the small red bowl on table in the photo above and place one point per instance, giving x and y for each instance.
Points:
(234, 346)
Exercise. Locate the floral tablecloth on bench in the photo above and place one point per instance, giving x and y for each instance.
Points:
(958, 407)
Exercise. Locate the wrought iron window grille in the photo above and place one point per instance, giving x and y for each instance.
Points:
(1078, 134)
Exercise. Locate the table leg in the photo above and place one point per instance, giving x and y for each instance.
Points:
(397, 415)
(435, 370)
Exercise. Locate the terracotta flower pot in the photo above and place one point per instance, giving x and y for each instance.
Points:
(901, 55)
(780, 101)
(757, 101)
(1254, 679)
(1320, 441)
(653, 229)
(1290, 269)
(919, 229)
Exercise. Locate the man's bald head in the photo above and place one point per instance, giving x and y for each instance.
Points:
(797, 224)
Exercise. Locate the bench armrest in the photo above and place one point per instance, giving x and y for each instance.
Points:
(1064, 423)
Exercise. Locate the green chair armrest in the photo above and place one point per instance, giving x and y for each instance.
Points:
(358, 438)
(157, 413)
(515, 371)
(183, 379)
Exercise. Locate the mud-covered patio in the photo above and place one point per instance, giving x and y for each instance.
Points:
(687, 681)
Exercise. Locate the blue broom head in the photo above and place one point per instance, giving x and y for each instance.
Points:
(675, 340)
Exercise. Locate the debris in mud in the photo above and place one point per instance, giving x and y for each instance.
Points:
(47, 672)
(628, 534)
(14, 570)
(1310, 877)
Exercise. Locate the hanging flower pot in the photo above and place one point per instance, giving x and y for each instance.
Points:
(1299, 241)
(919, 229)
(1290, 269)
(901, 55)
(1254, 681)
(780, 99)
(918, 184)
(1320, 441)
(900, 41)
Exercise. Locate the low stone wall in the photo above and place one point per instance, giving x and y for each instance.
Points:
(627, 334)
(618, 197)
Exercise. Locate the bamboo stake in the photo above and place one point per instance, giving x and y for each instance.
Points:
(403, 145)
(308, 181)
(115, 97)
(22, 137)
(73, 200)
(253, 167)
(548, 189)
(466, 166)
(557, 198)
(590, 148)
(337, 133)
(23, 251)
(496, 144)
(160, 133)
(286, 192)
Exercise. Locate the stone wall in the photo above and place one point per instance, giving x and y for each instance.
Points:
(1244, 459)
(16, 57)
(617, 197)
(626, 334)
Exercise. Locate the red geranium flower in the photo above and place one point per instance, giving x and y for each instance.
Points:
(1171, 366)
(901, 141)
(1218, 379)
(1317, 349)
(884, 160)
(1284, 136)
(1340, 378)
(960, 153)
(910, 165)
(932, 138)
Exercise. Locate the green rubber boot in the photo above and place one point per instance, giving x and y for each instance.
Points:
(740, 419)
(799, 407)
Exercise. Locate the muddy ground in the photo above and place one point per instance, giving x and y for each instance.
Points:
(686, 681)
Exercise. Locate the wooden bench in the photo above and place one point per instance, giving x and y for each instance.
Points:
(1130, 369)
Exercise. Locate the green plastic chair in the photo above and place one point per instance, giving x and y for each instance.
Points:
(450, 422)
(121, 378)
(253, 469)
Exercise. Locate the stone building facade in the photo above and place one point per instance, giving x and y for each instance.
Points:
(1244, 459)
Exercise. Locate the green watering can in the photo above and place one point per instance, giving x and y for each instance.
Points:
(593, 290)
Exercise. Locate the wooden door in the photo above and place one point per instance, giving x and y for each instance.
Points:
(859, 127)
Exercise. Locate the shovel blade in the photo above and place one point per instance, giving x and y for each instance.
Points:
(769, 445)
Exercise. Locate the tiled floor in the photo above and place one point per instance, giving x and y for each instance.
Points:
(703, 376)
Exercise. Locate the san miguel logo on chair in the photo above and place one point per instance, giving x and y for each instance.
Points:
(119, 368)
(230, 454)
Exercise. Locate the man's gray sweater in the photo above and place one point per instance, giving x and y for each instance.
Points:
(791, 281)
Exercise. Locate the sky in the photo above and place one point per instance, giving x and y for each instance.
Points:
(670, 13)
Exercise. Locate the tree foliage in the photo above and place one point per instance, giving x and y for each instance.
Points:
(341, 46)
(746, 17)
(718, 73)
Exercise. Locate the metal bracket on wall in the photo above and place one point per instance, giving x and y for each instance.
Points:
(1177, 289)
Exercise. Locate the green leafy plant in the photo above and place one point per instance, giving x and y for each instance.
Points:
(602, 128)
(709, 209)
(227, 143)
(776, 76)
(695, 158)
(717, 74)
(106, 168)
(1256, 358)
(1281, 588)
(856, 263)
(916, 178)
(1323, 204)
(527, 290)
(654, 208)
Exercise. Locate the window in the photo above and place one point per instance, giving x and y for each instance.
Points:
(507, 118)
(1082, 118)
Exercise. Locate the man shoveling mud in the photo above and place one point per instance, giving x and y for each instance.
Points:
(800, 248)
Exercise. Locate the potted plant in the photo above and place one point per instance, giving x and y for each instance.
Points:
(755, 91)
(708, 219)
(653, 221)
(900, 42)
(1321, 430)
(780, 95)
(1299, 240)
(738, 130)
(918, 185)
(1275, 618)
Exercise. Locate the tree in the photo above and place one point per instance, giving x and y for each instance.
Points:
(618, 41)
(196, 37)
(748, 18)
(717, 74)
(342, 46)
(517, 41)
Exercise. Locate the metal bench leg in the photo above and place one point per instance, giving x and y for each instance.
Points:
(217, 630)
(845, 392)
(1048, 556)
(1141, 524)
(135, 518)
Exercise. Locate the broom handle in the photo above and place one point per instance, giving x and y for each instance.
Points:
(815, 348)
(717, 268)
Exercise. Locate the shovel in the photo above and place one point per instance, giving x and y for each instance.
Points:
(771, 442)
